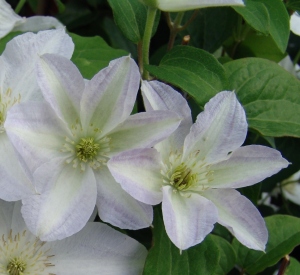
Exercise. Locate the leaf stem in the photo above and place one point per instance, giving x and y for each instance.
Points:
(147, 38)
(20, 6)
(175, 29)
(284, 264)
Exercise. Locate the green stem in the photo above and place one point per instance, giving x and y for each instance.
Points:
(174, 29)
(147, 38)
(20, 6)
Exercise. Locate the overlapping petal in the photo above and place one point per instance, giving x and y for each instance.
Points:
(240, 216)
(38, 23)
(117, 207)
(109, 97)
(72, 194)
(188, 219)
(219, 129)
(246, 166)
(138, 172)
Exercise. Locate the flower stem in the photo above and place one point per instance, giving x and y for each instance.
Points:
(147, 38)
(20, 6)
(174, 29)
(284, 264)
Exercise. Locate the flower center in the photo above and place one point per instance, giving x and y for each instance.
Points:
(6, 101)
(86, 150)
(23, 254)
(191, 175)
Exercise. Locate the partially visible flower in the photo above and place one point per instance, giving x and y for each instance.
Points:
(194, 172)
(10, 21)
(291, 188)
(184, 5)
(66, 144)
(17, 85)
(287, 64)
(295, 23)
(96, 249)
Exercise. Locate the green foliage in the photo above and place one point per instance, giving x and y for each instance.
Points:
(284, 235)
(165, 258)
(269, 94)
(293, 5)
(92, 54)
(263, 16)
(193, 70)
(130, 16)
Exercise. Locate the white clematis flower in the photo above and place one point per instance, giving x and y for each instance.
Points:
(66, 146)
(184, 5)
(10, 21)
(97, 249)
(291, 188)
(295, 23)
(194, 172)
(18, 84)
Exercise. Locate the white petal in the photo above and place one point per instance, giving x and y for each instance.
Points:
(240, 216)
(117, 207)
(287, 64)
(219, 129)
(138, 172)
(291, 188)
(295, 23)
(64, 208)
(159, 96)
(179, 5)
(36, 132)
(14, 183)
(143, 130)
(8, 18)
(246, 166)
(109, 97)
(62, 86)
(39, 23)
(6, 211)
(98, 249)
(188, 218)
(21, 55)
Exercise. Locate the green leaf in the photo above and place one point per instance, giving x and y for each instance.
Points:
(293, 5)
(7, 38)
(269, 17)
(61, 7)
(284, 235)
(92, 54)
(193, 70)
(130, 16)
(164, 257)
(227, 255)
(293, 268)
(269, 94)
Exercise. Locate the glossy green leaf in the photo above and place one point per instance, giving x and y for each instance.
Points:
(269, 17)
(130, 16)
(193, 70)
(92, 54)
(227, 255)
(269, 94)
(293, 268)
(164, 257)
(284, 235)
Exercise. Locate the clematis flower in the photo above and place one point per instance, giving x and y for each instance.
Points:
(97, 249)
(295, 23)
(180, 5)
(66, 144)
(18, 84)
(194, 172)
(10, 21)
(291, 188)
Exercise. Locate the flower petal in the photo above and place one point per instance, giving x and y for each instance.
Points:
(188, 219)
(117, 207)
(109, 97)
(39, 23)
(219, 129)
(65, 207)
(36, 133)
(143, 130)
(21, 55)
(8, 18)
(62, 86)
(240, 216)
(98, 249)
(246, 166)
(138, 172)
(14, 183)
(295, 23)
(159, 96)
(179, 5)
